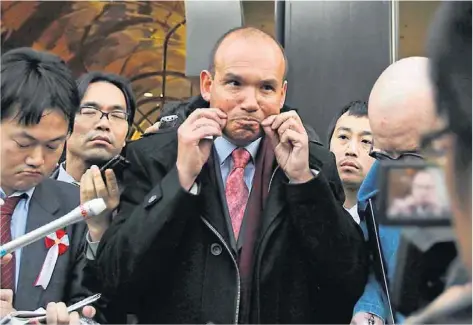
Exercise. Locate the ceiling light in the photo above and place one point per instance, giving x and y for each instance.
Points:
(148, 95)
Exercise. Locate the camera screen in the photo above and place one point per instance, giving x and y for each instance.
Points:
(414, 195)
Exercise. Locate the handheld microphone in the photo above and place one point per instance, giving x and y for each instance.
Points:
(84, 211)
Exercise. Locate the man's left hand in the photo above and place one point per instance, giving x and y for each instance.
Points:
(291, 145)
(56, 313)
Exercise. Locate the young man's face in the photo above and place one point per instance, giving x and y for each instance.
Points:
(96, 138)
(351, 142)
(30, 153)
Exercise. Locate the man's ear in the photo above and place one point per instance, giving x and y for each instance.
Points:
(205, 84)
(283, 93)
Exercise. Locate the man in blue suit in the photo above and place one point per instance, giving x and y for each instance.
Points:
(400, 109)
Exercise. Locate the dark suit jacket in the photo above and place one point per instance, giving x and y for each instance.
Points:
(167, 256)
(52, 199)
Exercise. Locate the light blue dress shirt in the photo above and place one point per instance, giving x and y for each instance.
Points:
(64, 176)
(18, 223)
(224, 150)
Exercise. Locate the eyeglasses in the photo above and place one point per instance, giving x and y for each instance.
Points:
(404, 156)
(410, 155)
(93, 113)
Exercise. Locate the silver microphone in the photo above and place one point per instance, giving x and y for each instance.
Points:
(82, 212)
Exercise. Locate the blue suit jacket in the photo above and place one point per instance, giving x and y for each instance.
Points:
(373, 298)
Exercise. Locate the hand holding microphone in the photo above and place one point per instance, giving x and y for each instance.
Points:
(82, 212)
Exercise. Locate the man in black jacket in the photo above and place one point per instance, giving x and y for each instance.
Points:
(237, 218)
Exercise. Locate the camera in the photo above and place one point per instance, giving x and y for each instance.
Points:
(413, 194)
(413, 197)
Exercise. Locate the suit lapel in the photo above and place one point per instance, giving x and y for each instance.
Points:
(41, 211)
(276, 199)
(214, 202)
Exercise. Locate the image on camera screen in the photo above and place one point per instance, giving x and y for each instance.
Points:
(415, 195)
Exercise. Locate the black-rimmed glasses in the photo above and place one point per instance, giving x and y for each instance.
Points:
(96, 114)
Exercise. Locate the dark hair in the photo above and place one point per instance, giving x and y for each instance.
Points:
(356, 108)
(249, 30)
(450, 50)
(120, 82)
(34, 82)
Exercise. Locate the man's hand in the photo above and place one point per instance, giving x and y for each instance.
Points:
(56, 313)
(92, 186)
(153, 128)
(291, 145)
(193, 149)
(364, 318)
(6, 302)
(5, 259)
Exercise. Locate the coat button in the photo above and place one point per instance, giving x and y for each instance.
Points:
(216, 249)
(152, 199)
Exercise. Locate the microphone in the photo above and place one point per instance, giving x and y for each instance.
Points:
(82, 212)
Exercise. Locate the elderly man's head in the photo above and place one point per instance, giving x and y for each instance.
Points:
(246, 81)
(401, 107)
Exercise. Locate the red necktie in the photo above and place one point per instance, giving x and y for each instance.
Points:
(236, 190)
(6, 212)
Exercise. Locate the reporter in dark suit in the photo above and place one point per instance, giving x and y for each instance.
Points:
(38, 103)
(249, 228)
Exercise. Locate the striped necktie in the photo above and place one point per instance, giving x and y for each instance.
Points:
(6, 211)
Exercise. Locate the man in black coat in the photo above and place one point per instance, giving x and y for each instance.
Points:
(237, 218)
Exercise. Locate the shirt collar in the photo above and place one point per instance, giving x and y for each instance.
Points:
(225, 148)
(64, 176)
(29, 193)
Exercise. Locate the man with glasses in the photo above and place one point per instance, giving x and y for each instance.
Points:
(101, 126)
(401, 110)
(106, 113)
(450, 50)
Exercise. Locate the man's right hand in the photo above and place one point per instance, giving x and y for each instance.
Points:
(93, 186)
(193, 153)
(6, 302)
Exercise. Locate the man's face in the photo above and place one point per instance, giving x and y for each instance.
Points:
(350, 143)
(423, 188)
(30, 153)
(94, 139)
(248, 85)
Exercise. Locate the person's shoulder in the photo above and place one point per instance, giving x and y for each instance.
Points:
(66, 194)
(59, 186)
(319, 153)
(161, 140)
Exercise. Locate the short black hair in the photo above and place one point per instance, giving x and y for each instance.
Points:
(34, 82)
(254, 30)
(120, 82)
(450, 52)
(356, 108)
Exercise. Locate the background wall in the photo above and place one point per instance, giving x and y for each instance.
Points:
(414, 20)
(336, 49)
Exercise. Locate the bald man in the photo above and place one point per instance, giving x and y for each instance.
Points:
(401, 110)
(234, 218)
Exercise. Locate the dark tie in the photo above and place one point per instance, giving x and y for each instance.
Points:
(6, 212)
(236, 190)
